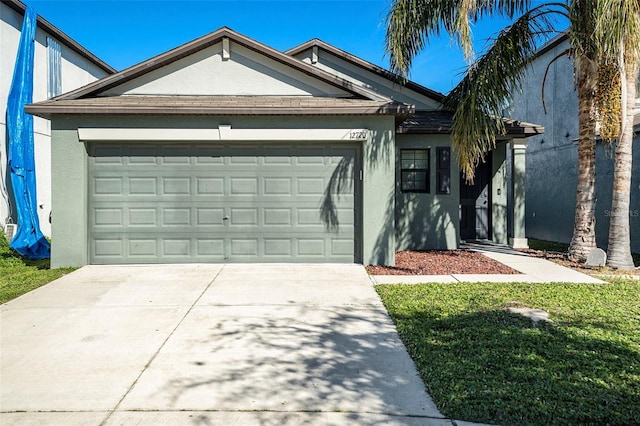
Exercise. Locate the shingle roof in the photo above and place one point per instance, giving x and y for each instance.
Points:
(219, 105)
(367, 66)
(138, 70)
(440, 122)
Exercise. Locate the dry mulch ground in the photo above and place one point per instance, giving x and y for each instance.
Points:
(563, 259)
(441, 262)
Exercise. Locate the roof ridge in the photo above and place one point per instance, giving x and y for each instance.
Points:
(208, 40)
(363, 63)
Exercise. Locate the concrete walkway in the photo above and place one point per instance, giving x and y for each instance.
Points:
(532, 270)
(207, 344)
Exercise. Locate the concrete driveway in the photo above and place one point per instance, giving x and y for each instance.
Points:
(207, 344)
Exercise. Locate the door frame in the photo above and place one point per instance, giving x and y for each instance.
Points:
(486, 168)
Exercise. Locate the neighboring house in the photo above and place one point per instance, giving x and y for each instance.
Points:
(552, 158)
(60, 65)
(226, 150)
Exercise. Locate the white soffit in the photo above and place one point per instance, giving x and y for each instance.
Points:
(222, 133)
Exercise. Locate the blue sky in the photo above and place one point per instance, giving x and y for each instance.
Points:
(123, 33)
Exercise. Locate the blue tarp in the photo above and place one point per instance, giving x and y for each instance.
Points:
(29, 240)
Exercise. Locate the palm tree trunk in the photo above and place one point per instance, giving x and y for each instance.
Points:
(619, 251)
(584, 229)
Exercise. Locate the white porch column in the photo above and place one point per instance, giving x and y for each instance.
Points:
(518, 149)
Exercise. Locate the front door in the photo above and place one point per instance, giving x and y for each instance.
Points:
(475, 202)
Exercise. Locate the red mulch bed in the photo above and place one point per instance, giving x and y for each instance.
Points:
(441, 262)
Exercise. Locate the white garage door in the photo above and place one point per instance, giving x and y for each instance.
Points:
(205, 202)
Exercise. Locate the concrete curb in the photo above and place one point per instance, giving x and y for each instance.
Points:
(532, 270)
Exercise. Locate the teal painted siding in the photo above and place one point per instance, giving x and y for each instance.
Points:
(427, 220)
(374, 238)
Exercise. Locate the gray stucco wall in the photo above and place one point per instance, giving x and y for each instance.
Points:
(69, 165)
(431, 221)
(551, 158)
(427, 220)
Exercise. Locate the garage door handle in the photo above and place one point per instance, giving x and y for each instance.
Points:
(225, 218)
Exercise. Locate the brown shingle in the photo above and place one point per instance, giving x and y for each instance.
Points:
(218, 105)
(440, 122)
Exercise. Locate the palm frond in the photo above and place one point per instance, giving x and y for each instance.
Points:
(479, 99)
(411, 23)
(617, 28)
(616, 35)
(583, 18)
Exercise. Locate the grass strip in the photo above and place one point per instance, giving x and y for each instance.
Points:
(481, 363)
(19, 275)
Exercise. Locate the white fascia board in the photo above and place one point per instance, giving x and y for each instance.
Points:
(93, 134)
(223, 133)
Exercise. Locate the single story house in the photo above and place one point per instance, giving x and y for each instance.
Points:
(226, 150)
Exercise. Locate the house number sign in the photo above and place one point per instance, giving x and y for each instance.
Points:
(358, 134)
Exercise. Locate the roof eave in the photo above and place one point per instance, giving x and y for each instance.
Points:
(368, 66)
(401, 111)
(514, 132)
(525, 132)
(423, 130)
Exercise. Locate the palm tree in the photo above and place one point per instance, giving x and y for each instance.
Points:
(619, 38)
(586, 59)
(477, 101)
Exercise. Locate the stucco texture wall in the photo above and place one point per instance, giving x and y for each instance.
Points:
(552, 158)
(69, 164)
(76, 72)
(427, 220)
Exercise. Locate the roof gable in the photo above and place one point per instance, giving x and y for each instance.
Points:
(365, 74)
(240, 72)
(228, 64)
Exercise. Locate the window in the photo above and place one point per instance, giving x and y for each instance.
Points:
(54, 68)
(443, 155)
(414, 170)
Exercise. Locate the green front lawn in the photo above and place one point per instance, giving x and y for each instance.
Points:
(19, 276)
(481, 363)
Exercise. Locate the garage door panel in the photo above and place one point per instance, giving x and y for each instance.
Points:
(243, 186)
(278, 247)
(153, 203)
(210, 247)
(175, 185)
(209, 186)
(176, 247)
(210, 217)
(108, 185)
(277, 186)
(142, 216)
(142, 247)
(108, 216)
(142, 186)
(274, 216)
(107, 248)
